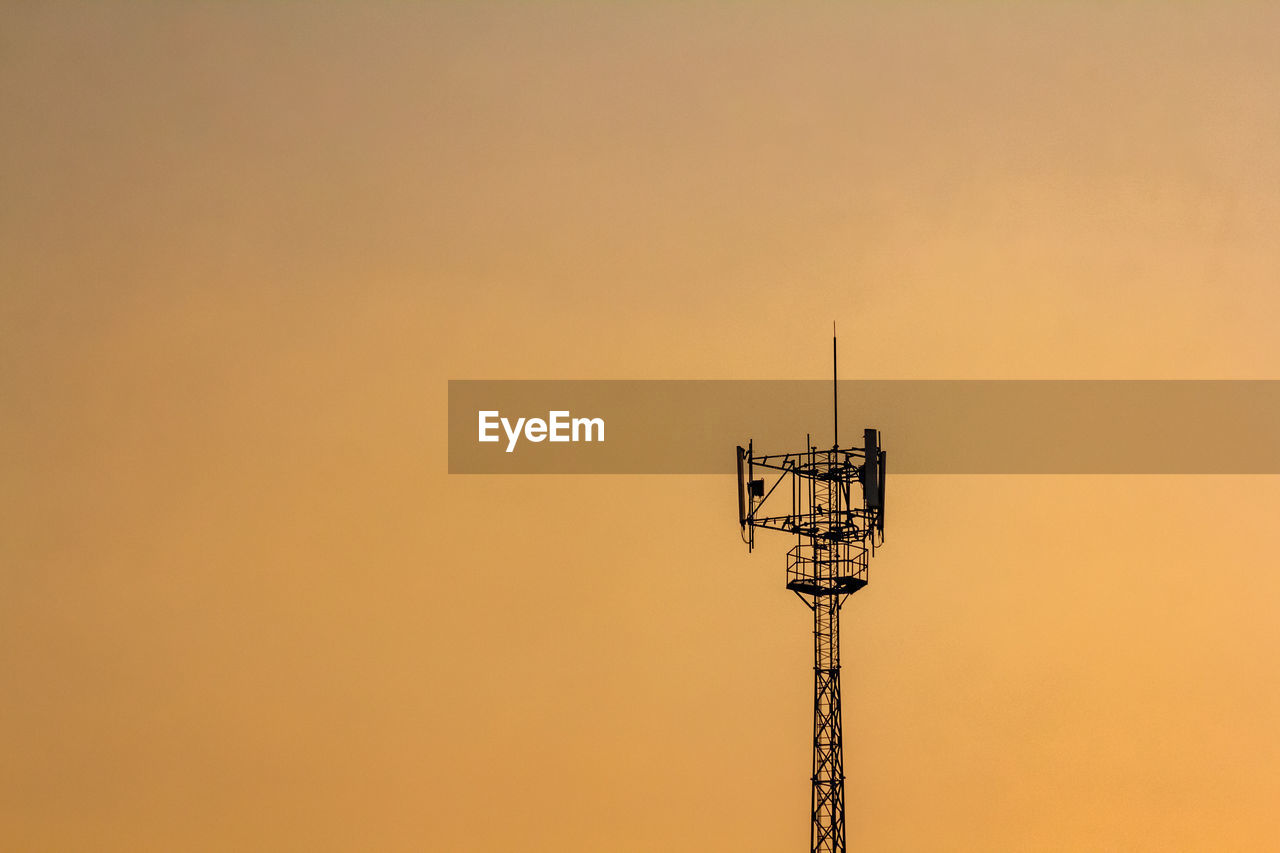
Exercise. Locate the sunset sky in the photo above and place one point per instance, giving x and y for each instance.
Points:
(244, 246)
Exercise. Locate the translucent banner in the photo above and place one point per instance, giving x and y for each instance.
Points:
(927, 426)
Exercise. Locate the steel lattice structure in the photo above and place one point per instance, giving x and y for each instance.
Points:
(836, 512)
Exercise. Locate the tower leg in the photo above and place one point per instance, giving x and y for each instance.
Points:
(827, 832)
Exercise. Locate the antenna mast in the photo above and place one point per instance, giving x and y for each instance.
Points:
(835, 390)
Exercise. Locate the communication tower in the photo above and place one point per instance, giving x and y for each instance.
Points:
(832, 501)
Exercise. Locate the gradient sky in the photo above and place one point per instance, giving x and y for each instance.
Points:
(244, 245)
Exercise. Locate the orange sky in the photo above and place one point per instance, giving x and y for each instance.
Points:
(244, 246)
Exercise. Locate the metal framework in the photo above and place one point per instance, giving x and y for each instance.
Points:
(833, 503)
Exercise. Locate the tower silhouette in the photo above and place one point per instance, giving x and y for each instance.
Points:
(836, 512)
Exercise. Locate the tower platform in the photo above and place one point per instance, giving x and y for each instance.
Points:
(844, 585)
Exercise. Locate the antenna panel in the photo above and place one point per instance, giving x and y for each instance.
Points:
(871, 468)
(884, 462)
(742, 488)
